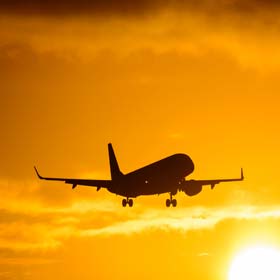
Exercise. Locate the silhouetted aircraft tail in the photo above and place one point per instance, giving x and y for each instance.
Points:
(114, 167)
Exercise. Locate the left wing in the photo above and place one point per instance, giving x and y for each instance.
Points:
(75, 182)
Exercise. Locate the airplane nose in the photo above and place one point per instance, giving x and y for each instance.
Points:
(191, 164)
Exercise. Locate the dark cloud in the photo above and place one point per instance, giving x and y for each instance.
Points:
(76, 7)
(126, 7)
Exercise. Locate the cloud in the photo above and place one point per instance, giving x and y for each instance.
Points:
(32, 228)
(76, 7)
(183, 220)
(47, 228)
(203, 254)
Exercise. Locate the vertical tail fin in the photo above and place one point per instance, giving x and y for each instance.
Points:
(114, 167)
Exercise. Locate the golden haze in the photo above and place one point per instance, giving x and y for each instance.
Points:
(153, 80)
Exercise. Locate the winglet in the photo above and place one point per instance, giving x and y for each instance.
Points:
(39, 176)
(242, 176)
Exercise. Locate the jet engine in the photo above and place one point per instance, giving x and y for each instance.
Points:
(191, 187)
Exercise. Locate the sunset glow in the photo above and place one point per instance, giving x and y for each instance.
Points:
(154, 78)
(256, 263)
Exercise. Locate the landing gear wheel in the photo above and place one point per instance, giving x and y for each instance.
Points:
(124, 202)
(174, 202)
(168, 202)
(130, 202)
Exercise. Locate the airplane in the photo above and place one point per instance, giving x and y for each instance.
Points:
(164, 176)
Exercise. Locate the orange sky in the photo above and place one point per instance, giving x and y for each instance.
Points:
(154, 78)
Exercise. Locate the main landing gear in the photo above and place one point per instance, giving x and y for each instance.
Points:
(128, 201)
(171, 201)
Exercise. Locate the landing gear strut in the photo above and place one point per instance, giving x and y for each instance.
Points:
(128, 201)
(171, 201)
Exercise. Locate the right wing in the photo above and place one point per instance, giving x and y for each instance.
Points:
(82, 182)
(193, 187)
(217, 181)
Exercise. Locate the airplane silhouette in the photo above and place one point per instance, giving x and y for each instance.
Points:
(164, 176)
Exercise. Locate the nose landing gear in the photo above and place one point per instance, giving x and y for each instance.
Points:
(128, 201)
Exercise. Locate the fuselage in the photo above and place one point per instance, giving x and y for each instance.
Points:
(163, 176)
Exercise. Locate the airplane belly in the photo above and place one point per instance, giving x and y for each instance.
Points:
(152, 189)
(133, 188)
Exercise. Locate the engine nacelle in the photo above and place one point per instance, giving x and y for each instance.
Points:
(191, 188)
